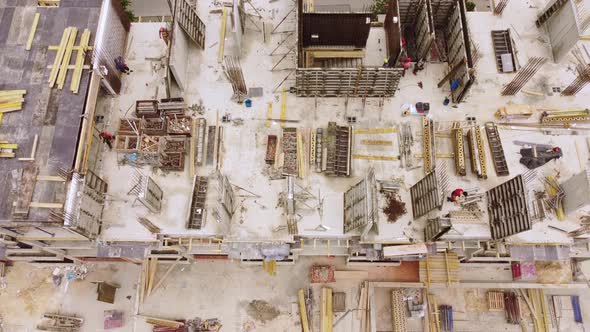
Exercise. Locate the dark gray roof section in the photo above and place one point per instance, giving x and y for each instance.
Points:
(52, 114)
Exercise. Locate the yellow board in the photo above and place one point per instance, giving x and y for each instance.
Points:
(59, 57)
(222, 35)
(12, 92)
(268, 115)
(366, 157)
(375, 130)
(303, 311)
(63, 71)
(283, 107)
(32, 33)
(79, 64)
(10, 146)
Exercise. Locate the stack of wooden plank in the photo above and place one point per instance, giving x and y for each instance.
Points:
(11, 100)
(440, 268)
(7, 150)
(327, 314)
(61, 63)
(364, 313)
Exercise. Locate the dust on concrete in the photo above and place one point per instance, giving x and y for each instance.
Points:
(262, 311)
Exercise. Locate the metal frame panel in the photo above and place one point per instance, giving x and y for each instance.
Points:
(189, 21)
(352, 82)
(426, 195)
(508, 209)
(424, 30)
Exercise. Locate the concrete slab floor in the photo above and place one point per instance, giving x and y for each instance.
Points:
(244, 145)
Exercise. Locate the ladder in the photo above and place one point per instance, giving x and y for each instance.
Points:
(496, 148)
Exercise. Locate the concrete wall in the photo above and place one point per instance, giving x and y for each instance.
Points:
(179, 56)
(563, 31)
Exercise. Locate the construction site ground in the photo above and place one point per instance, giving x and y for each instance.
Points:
(226, 290)
(244, 145)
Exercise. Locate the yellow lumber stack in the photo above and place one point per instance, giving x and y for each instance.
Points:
(63, 57)
(270, 267)
(303, 311)
(11, 100)
(7, 149)
(327, 313)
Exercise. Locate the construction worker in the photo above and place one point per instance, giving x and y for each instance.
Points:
(385, 63)
(107, 138)
(164, 34)
(457, 195)
(419, 66)
(122, 66)
(406, 62)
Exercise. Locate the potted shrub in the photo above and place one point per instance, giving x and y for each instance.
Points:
(380, 9)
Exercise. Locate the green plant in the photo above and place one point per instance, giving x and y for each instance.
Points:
(380, 7)
(470, 6)
(126, 6)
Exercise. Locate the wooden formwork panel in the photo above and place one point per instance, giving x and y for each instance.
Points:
(508, 209)
(458, 51)
(352, 82)
(425, 195)
(424, 30)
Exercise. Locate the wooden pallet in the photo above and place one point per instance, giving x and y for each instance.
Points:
(440, 268)
(495, 301)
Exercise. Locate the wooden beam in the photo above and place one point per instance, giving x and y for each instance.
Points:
(44, 205)
(327, 54)
(11, 105)
(303, 311)
(33, 150)
(63, 71)
(59, 57)
(32, 32)
(166, 274)
(338, 275)
(222, 35)
(79, 64)
(12, 92)
(452, 72)
(74, 48)
(152, 274)
(50, 178)
(11, 99)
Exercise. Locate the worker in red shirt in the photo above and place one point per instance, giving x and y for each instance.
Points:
(107, 138)
(457, 195)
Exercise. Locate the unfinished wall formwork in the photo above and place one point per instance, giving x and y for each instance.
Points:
(323, 31)
(111, 39)
(441, 24)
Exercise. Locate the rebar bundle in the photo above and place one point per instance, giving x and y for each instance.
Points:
(578, 83)
(525, 74)
(233, 71)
